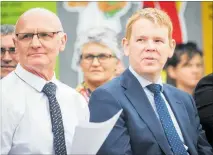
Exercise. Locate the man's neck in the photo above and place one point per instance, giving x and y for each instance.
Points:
(150, 78)
(44, 73)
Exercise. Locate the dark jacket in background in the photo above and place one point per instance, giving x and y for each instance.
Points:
(203, 96)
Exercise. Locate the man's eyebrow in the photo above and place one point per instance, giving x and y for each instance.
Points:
(158, 37)
(141, 36)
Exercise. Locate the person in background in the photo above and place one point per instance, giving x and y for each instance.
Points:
(119, 68)
(99, 58)
(185, 68)
(9, 55)
(157, 118)
(39, 113)
(203, 96)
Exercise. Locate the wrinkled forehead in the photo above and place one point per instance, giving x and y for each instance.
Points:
(35, 21)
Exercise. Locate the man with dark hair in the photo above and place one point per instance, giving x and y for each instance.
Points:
(9, 56)
(185, 67)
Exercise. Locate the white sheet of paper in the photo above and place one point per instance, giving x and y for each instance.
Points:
(89, 137)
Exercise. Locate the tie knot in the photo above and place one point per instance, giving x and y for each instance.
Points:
(49, 89)
(155, 88)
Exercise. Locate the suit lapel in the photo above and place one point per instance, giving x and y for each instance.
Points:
(181, 115)
(137, 97)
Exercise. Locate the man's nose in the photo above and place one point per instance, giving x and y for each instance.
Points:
(7, 57)
(150, 46)
(35, 42)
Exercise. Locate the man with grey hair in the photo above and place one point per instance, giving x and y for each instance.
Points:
(9, 56)
(100, 56)
(41, 115)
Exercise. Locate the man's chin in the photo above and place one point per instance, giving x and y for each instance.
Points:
(6, 70)
(150, 70)
(3, 74)
(36, 65)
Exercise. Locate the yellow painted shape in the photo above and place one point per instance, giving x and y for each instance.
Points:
(178, 6)
(207, 19)
(164, 76)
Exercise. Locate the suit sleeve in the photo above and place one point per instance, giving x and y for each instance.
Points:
(103, 105)
(202, 145)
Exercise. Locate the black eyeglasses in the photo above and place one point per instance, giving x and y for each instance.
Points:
(101, 57)
(42, 36)
(11, 50)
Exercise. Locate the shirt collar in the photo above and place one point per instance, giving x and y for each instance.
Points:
(144, 82)
(31, 79)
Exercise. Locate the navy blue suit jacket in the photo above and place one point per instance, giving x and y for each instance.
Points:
(138, 130)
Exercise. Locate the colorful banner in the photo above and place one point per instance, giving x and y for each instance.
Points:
(175, 12)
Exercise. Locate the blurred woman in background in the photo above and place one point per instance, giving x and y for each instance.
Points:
(185, 68)
(99, 59)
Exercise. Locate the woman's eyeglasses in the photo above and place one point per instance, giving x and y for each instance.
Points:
(101, 57)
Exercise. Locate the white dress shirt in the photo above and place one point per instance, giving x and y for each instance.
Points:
(144, 83)
(26, 123)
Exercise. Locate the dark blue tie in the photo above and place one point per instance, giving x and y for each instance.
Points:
(174, 140)
(56, 119)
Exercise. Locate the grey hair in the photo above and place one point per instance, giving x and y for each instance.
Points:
(101, 35)
(7, 29)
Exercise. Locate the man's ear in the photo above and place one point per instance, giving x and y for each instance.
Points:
(125, 44)
(14, 41)
(172, 46)
(63, 42)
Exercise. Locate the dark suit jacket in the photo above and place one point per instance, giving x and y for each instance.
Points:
(138, 130)
(204, 100)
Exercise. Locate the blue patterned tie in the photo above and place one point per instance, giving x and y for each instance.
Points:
(166, 121)
(56, 119)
